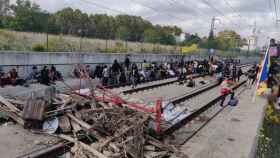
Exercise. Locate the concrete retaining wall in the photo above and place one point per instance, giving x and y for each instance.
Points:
(65, 61)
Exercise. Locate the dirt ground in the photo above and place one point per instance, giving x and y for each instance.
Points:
(16, 141)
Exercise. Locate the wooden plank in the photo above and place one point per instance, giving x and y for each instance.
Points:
(9, 105)
(85, 146)
(12, 115)
(85, 126)
(19, 102)
(34, 110)
(76, 127)
(82, 123)
(146, 117)
(64, 124)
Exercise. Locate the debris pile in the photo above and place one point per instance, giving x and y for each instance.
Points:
(88, 128)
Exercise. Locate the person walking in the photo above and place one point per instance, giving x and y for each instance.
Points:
(225, 90)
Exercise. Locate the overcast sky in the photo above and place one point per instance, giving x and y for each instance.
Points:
(192, 16)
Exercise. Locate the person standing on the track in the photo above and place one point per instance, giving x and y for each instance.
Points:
(239, 74)
(234, 73)
(134, 75)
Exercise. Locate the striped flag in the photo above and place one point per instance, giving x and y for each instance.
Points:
(263, 75)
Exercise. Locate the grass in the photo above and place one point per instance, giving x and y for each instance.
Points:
(25, 41)
(269, 137)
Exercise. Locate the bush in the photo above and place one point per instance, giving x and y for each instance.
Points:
(38, 48)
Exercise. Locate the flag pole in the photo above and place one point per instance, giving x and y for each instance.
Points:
(259, 74)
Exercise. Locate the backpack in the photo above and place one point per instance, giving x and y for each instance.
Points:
(233, 102)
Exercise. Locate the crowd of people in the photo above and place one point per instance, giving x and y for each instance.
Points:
(46, 76)
(127, 72)
(134, 73)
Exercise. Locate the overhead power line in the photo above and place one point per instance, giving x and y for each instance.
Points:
(276, 11)
(103, 6)
(186, 6)
(232, 8)
(156, 10)
(211, 6)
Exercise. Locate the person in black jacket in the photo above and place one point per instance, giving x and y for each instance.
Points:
(127, 63)
(239, 74)
(45, 79)
(116, 69)
(134, 75)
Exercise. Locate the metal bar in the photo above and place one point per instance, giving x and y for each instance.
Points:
(195, 93)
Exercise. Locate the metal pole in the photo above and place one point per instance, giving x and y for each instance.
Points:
(248, 48)
(47, 38)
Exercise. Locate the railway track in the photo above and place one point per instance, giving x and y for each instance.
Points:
(196, 113)
(161, 83)
(179, 132)
(157, 85)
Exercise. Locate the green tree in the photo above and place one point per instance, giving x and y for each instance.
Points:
(151, 36)
(228, 39)
(28, 17)
(123, 33)
(191, 39)
(64, 20)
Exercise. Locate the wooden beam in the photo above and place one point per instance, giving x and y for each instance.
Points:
(85, 146)
(8, 104)
(146, 117)
(85, 126)
(12, 115)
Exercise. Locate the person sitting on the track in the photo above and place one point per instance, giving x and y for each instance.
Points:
(44, 76)
(2, 74)
(191, 82)
(76, 71)
(54, 75)
(152, 76)
(98, 72)
(34, 76)
(182, 74)
(145, 65)
(89, 71)
(14, 79)
(157, 72)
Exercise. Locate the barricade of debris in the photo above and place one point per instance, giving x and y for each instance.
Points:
(88, 126)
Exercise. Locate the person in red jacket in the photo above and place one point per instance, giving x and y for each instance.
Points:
(226, 89)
